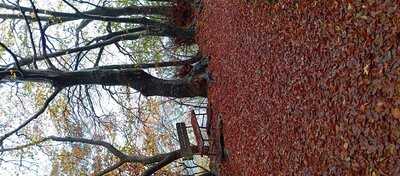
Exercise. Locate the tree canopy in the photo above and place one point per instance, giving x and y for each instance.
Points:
(91, 85)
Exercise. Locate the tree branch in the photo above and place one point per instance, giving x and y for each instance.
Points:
(161, 160)
(95, 15)
(23, 146)
(169, 158)
(111, 168)
(103, 11)
(42, 37)
(137, 79)
(14, 56)
(152, 65)
(30, 36)
(110, 41)
(106, 145)
(105, 37)
(36, 115)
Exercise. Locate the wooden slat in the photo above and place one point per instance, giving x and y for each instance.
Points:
(197, 132)
(184, 143)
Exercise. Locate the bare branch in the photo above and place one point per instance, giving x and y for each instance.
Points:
(23, 146)
(167, 159)
(73, 7)
(42, 37)
(30, 36)
(110, 41)
(99, 54)
(102, 11)
(14, 56)
(161, 160)
(30, 18)
(79, 56)
(95, 15)
(107, 145)
(111, 168)
(153, 65)
(36, 115)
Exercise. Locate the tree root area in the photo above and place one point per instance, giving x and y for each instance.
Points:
(304, 87)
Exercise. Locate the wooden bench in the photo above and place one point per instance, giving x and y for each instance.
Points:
(200, 140)
(186, 150)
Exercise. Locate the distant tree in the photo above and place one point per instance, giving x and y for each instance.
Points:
(66, 56)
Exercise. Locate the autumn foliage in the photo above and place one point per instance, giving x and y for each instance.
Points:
(184, 70)
(182, 15)
(305, 87)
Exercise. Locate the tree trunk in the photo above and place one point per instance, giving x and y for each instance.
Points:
(131, 10)
(138, 79)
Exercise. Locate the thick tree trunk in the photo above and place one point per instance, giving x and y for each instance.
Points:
(104, 11)
(131, 10)
(138, 79)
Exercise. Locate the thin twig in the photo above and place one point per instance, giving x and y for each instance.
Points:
(13, 55)
(36, 115)
(30, 36)
(42, 37)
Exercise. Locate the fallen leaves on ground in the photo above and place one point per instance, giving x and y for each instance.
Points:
(305, 87)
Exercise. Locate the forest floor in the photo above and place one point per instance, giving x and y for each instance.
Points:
(305, 87)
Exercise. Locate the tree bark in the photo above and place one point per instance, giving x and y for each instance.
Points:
(131, 10)
(155, 30)
(103, 11)
(138, 79)
(171, 157)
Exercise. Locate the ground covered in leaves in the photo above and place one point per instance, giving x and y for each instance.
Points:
(305, 87)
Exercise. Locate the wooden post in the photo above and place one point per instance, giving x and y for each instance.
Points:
(184, 143)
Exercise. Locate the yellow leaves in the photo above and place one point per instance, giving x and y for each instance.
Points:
(346, 145)
(80, 152)
(151, 111)
(128, 148)
(397, 88)
(109, 127)
(349, 7)
(366, 69)
(133, 168)
(151, 144)
(40, 97)
(166, 140)
(396, 113)
(153, 106)
(28, 87)
(13, 74)
(36, 137)
(55, 168)
(68, 161)
(59, 110)
(380, 106)
(391, 150)
(361, 15)
(97, 162)
(76, 151)
(373, 173)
